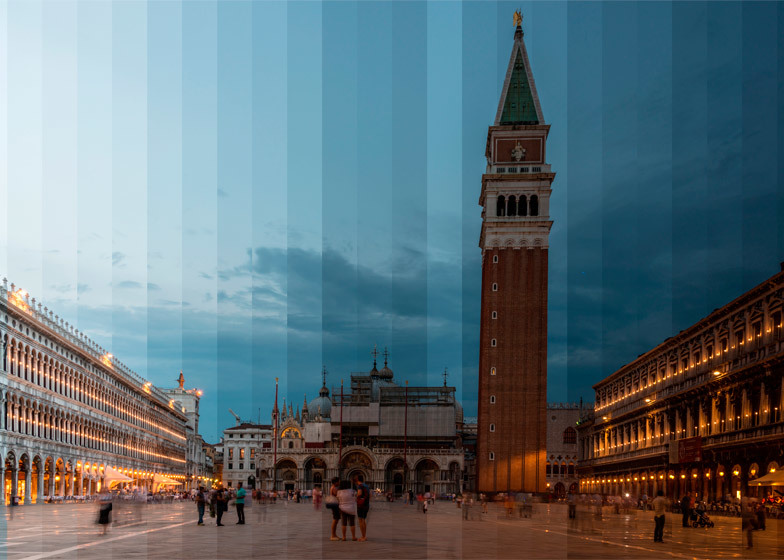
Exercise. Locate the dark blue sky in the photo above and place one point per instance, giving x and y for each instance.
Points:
(249, 191)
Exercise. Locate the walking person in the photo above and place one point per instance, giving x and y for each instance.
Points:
(317, 498)
(331, 503)
(686, 508)
(105, 511)
(239, 501)
(659, 507)
(363, 504)
(347, 502)
(221, 504)
(200, 501)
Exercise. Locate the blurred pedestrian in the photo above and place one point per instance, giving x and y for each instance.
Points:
(659, 508)
(200, 501)
(686, 509)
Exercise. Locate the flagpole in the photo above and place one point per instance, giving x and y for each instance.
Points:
(340, 445)
(275, 453)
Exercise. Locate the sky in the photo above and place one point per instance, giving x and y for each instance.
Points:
(250, 191)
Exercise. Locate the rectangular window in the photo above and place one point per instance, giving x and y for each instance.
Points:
(231, 466)
(252, 466)
(252, 454)
(242, 453)
(739, 338)
(241, 466)
(501, 170)
(231, 453)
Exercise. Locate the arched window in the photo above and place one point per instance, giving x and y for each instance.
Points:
(492, 399)
(534, 205)
(492, 427)
(511, 206)
(570, 435)
(549, 470)
(500, 207)
(522, 206)
(291, 445)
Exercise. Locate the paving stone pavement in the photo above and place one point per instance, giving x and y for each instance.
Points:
(395, 530)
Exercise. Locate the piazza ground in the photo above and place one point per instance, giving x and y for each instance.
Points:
(290, 530)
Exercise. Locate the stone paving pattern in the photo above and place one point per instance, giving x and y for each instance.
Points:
(290, 530)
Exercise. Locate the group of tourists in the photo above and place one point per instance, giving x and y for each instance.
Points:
(348, 500)
(218, 502)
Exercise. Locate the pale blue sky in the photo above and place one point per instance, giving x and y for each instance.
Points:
(251, 190)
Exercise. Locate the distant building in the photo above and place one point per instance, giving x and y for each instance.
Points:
(562, 447)
(188, 401)
(701, 412)
(242, 445)
(398, 437)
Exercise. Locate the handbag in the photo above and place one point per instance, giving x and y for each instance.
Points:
(331, 501)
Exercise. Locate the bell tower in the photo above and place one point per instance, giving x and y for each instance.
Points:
(515, 200)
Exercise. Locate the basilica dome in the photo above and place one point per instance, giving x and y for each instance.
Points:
(323, 402)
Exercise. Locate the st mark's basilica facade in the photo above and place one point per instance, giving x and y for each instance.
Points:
(398, 437)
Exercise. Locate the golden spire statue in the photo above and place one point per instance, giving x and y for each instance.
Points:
(518, 18)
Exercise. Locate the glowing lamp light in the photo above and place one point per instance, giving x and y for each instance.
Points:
(683, 476)
(736, 473)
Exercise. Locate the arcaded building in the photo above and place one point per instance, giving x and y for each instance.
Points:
(701, 412)
(73, 416)
(398, 437)
(515, 199)
(562, 447)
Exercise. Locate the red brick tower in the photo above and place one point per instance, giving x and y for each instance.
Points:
(515, 200)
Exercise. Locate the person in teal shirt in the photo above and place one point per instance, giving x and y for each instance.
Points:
(239, 501)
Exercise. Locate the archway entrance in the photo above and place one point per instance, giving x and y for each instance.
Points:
(395, 476)
(426, 476)
(314, 472)
(8, 481)
(286, 473)
(357, 462)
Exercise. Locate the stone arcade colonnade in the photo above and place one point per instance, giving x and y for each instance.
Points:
(436, 470)
(69, 409)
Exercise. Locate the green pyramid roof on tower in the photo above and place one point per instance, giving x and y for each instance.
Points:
(519, 102)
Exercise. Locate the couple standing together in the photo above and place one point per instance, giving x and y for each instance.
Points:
(346, 503)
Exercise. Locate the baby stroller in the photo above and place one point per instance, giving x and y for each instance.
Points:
(700, 519)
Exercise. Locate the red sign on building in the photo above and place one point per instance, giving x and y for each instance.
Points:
(687, 450)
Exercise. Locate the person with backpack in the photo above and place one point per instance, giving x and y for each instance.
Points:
(363, 504)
